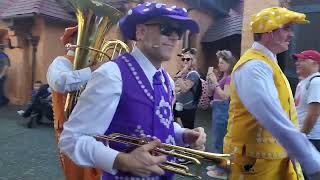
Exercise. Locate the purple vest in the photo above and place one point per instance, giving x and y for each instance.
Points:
(135, 114)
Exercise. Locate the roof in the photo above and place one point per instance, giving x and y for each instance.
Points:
(4, 4)
(223, 28)
(59, 9)
(216, 8)
(115, 3)
(23, 8)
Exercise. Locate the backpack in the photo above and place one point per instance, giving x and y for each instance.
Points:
(308, 85)
(201, 94)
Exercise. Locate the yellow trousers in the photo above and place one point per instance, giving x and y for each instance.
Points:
(247, 168)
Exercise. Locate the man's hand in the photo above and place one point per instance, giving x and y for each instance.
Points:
(196, 138)
(313, 113)
(140, 162)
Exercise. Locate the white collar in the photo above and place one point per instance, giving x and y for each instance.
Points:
(144, 63)
(259, 46)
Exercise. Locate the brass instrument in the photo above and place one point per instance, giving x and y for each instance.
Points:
(223, 160)
(95, 19)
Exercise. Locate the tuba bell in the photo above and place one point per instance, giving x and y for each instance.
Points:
(95, 19)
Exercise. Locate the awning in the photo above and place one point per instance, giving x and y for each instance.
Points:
(223, 28)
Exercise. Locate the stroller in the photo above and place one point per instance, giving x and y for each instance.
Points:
(40, 106)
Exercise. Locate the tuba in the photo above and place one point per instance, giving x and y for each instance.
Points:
(95, 19)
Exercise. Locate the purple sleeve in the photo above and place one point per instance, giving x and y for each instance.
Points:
(228, 80)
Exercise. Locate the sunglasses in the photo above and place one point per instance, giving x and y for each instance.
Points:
(185, 59)
(167, 30)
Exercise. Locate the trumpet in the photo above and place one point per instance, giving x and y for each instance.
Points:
(195, 156)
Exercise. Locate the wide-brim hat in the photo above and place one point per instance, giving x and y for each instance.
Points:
(145, 12)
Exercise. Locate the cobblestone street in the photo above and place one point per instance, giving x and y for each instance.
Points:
(31, 154)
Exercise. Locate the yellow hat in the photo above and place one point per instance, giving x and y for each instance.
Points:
(273, 18)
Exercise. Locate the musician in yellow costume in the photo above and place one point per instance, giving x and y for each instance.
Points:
(63, 79)
(262, 130)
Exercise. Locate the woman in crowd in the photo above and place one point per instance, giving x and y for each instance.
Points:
(186, 82)
(220, 88)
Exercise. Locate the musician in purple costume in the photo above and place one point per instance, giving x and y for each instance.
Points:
(133, 95)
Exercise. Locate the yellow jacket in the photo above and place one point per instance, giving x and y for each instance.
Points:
(245, 134)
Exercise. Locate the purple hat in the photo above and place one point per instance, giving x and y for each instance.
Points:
(148, 11)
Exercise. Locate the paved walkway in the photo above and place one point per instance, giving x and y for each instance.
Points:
(31, 154)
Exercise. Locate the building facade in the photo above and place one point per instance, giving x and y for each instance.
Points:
(31, 30)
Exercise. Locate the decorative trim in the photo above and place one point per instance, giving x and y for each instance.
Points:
(267, 140)
(170, 140)
(268, 155)
(137, 77)
(166, 119)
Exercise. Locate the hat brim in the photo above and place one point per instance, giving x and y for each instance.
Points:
(300, 57)
(304, 22)
(128, 24)
(296, 56)
(185, 23)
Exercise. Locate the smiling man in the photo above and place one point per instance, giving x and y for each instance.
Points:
(132, 95)
(263, 132)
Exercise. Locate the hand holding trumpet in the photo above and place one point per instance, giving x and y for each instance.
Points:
(196, 138)
(140, 161)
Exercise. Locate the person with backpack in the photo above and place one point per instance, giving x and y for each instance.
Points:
(220, 89)
(188, 89)
(307, 96)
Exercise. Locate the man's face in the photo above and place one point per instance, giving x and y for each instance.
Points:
(159, 39)
(304, 67)
(281, 38)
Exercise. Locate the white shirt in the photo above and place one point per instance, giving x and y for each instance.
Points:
(94, 112)
(62, 78)
(304, 97)
(255, 86)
